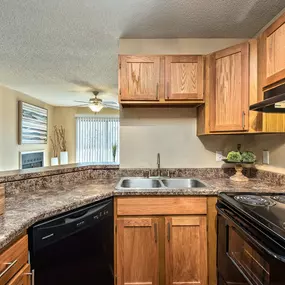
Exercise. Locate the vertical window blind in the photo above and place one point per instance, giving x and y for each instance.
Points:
(95, 138)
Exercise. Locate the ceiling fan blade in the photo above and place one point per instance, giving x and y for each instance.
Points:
(84, 105)
(116, 107)
(110, 102)
(81, 101)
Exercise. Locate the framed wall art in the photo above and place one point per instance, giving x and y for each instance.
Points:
(33, 124)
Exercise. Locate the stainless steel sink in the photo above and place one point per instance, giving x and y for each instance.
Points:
(182, 183)
(140, 183)
(161, 183)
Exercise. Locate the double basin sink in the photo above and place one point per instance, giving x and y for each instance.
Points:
(159, 183)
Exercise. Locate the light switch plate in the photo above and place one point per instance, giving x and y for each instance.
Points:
(219, 155)
(265, 157)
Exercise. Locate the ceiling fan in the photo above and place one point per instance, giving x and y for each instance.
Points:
(96, 104)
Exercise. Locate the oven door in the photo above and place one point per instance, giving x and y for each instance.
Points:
(242, 258)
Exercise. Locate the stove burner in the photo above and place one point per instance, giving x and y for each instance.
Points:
(279, 198)
(253, 200)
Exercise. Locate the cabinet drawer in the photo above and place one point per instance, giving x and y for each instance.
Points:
(161, 206)
(23, 277)
(13, 259)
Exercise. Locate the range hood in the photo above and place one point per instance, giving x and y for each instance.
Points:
(274, 101)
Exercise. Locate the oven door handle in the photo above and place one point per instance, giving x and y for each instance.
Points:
(249, 236)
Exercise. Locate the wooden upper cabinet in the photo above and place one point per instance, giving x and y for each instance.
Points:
(272, 45)
(184, 77)
(137, 251)
(140, 78)
(186, 250)
(229, 89)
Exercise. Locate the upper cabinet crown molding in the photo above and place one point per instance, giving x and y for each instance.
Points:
(272, 53)
(160, 80)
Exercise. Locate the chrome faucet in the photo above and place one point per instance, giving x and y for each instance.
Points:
(158, 165)
(158, 170)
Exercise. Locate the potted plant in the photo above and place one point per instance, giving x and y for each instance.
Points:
(54, 159)
(114, 151)
(61, 140)
(239, 158)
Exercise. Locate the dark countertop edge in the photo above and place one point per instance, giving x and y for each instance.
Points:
(15, 175)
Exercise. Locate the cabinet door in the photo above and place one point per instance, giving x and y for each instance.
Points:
(184, 77)
(229, 89)
(137, 251)
(23, 277)
(273, 47)
(186, 250)
(140, 78)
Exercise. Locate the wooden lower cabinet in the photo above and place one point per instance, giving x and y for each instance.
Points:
(186, 250)
(23, 277)
(171, 243)
(137, 251)
(14, 267)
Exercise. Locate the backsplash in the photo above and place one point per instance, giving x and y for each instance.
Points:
(78, 174)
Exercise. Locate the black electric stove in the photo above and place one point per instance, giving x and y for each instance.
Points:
(251, 238)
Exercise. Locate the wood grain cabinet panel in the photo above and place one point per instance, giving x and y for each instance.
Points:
(139, 206)
(273, 45)
(184, 77)
(13, 259)
(23, 277)
(186, 250)
(140, 78)
(229, 96)
(137, 251)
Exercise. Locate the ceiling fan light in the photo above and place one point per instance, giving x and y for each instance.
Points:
(96, 108)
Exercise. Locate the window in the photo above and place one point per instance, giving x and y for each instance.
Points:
(96, 138)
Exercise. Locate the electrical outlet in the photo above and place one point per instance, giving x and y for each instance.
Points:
(265, 157)
(219, 155)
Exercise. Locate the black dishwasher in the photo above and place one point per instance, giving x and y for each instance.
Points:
(74, 248)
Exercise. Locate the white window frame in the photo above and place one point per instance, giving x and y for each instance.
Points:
(90, 154)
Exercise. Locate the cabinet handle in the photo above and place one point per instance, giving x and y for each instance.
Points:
(155, 233)
(32, 274)
(243, 119)
(157, 87)
(167, 90)
(10, 265)
(168, 231)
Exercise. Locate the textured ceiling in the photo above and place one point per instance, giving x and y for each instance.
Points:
(48, 47)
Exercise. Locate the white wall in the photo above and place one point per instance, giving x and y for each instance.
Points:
(172, 133)
(9, 148)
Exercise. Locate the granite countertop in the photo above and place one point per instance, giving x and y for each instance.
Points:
(14, 175)
(26, 208)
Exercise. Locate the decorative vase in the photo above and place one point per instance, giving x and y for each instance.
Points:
(63, 157)
(54, 161)
(239, 176)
